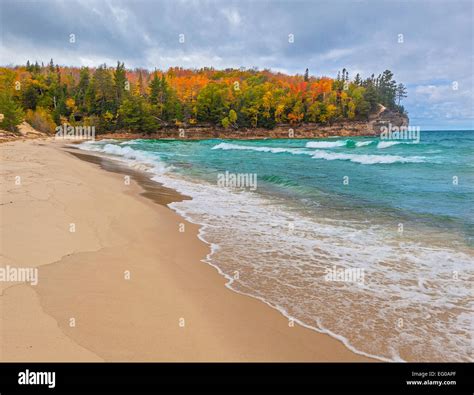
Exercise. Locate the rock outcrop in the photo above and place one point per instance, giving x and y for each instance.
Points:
(24, 130)
(383, 117)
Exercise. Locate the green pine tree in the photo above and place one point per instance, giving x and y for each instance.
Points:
(11, 111)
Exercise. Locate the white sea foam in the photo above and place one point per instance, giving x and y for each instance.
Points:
(387, 144)
(367, 159)
(363, 143)
(273, 150)
(318, 154)
(132, 142)
(92, 145)
(326, 144)
(285, 269)
(135, 158)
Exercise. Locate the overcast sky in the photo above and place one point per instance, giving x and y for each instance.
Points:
(433, 57)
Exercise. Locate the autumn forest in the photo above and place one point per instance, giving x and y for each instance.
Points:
(118, 99)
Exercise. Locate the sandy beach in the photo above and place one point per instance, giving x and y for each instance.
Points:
(120, 276)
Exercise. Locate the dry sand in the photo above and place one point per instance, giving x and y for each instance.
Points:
(120, 228)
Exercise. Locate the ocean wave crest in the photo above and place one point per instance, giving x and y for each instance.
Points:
(386, 144)
(363, 143)
(134, 157)
(367, 159)
(326, 144)
(318, 154)
(274, 150)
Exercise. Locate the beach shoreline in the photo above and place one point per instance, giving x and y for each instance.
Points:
(126, 284)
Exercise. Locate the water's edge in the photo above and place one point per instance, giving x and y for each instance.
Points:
(111, 164)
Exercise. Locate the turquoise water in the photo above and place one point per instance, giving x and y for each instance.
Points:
(402, 212)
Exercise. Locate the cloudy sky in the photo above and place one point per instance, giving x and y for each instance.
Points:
(427, 44)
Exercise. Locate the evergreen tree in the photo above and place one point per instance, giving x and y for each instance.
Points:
(370, 96)
(387, 89)
(357, 80)
(164, 91)
(81, 89)
(30, 96)
(103, 90)
(11, 110)
(134, 114)
(120, 82)
(345, 75)
(155, 89)
(401, 92)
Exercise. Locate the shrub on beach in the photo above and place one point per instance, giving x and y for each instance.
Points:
(41, 120)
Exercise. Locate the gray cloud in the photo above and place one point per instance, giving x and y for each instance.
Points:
(362, 36)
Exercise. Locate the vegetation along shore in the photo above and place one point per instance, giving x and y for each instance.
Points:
(198, 103)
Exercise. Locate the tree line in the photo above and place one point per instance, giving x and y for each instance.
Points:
(117, 99)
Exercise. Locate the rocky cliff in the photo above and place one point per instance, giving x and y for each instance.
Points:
(383, 117)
